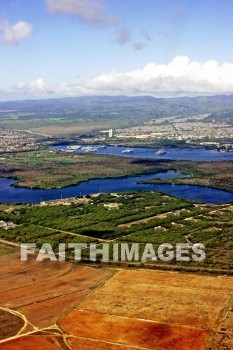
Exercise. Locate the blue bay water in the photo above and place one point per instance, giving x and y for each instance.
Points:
(201, 154)
(11, 194)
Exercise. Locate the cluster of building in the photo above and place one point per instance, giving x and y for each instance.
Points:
(66, 201)
(107, 133)
(179, 128)
(15, 140)
(6, 225)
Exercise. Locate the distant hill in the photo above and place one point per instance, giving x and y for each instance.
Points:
(92, 113)
(147, 104)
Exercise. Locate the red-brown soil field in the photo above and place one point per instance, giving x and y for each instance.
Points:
(59, 306)
(10, 324)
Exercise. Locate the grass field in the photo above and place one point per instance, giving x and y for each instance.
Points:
(61, 126)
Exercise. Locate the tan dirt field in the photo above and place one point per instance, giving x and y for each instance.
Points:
(132, 331)
(62, 307)
(34, 342)
(163, 297)
(92, 344)
(54, 130)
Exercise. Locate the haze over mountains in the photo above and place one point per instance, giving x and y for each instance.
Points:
(101, 107)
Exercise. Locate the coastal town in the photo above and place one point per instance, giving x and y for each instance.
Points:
(190, 128)
(16, 140)
(196, 129)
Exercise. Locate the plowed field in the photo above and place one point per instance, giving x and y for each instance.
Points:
(56, 306)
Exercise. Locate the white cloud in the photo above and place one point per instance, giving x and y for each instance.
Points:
(89, 11)
(14, 34)
(180, 76)
(34, 88)
(38, 84)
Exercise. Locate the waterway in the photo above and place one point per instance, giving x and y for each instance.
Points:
(195, 154)
(11, 194)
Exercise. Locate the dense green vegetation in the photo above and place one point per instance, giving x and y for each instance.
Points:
(45, 168)
(211, 174)
(139, 217)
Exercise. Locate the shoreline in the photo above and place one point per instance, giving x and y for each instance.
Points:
(160, 181)
(67, 198)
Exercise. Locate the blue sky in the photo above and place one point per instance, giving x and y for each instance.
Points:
(54, 48)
